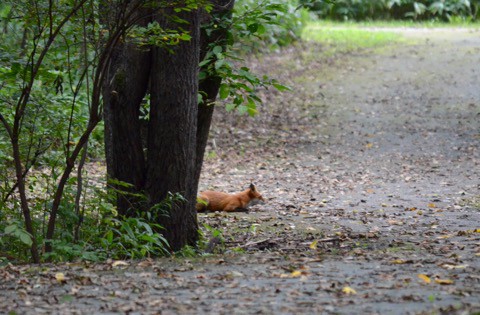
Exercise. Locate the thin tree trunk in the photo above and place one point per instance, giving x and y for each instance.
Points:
(211, 85)
(172, 131)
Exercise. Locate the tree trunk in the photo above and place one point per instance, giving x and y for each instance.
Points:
(124, 91)
(210, 85)
(172, 131)
(175, 144)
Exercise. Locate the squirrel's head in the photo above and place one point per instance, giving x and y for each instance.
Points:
(255, 196)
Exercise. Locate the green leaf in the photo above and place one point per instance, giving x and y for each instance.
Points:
(242, 109)
(252, 111)
(26, 239)
(11, 229)
(109, 237)
(281, 87)
(261, 29)
(219, 63)
(217, 50)
(224, 91)
(230, 106)
(204, 62)
(253, 27)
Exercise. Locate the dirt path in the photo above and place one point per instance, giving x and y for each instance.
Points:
(371, 170)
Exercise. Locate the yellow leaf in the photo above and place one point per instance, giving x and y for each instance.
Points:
(293, 274)
(444, 281)
(348, 290)
(313, 245)
(400, 261)
(445, 236)
(118, 263)
(431, 205)
(425, 278)
(369, 145)
(476, 230)
(60, 277)
(296, 273)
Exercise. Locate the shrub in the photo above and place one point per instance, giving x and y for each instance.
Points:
(394, 9)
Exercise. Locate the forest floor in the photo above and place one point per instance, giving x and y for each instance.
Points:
(370, 168)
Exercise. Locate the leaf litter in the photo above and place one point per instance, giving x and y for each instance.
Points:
(370, 169)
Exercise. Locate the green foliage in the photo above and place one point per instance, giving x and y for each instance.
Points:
(213, 232)
(207, 235)
(444, 10)
(253, 26)
(47, 61)
(16, 234)
(133, 238)
(272, 23)
(108, 235)
(239, 85)
(154, 35)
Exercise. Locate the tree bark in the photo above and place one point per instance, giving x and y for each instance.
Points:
(175, 142)
(123, 93)
(210, 85)
(172, 131)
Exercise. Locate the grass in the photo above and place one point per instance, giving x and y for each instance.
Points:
(341, 37)
(399, 24)
(348, 38)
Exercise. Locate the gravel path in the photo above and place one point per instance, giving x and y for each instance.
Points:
(371, 169)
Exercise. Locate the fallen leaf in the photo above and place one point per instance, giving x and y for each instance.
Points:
(369, 145)
(445, 236)
(449, 266)
(60, 277)
(425, 278)
(145, 263)
(444, 281)
(119, 263)
(296, 273)
(431, 205)
(349, 290)
(395, 222)
(401, 261)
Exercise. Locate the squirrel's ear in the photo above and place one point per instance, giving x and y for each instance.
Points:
(252, 186)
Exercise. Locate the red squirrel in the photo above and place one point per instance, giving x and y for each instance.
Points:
(220, 201)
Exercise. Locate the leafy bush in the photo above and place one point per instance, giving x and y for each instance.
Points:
(397, 9)
(133, 238)
(272, 23)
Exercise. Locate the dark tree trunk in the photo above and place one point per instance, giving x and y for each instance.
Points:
(124, 91)
(172, 131)
(175, 143)
(211, 85)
